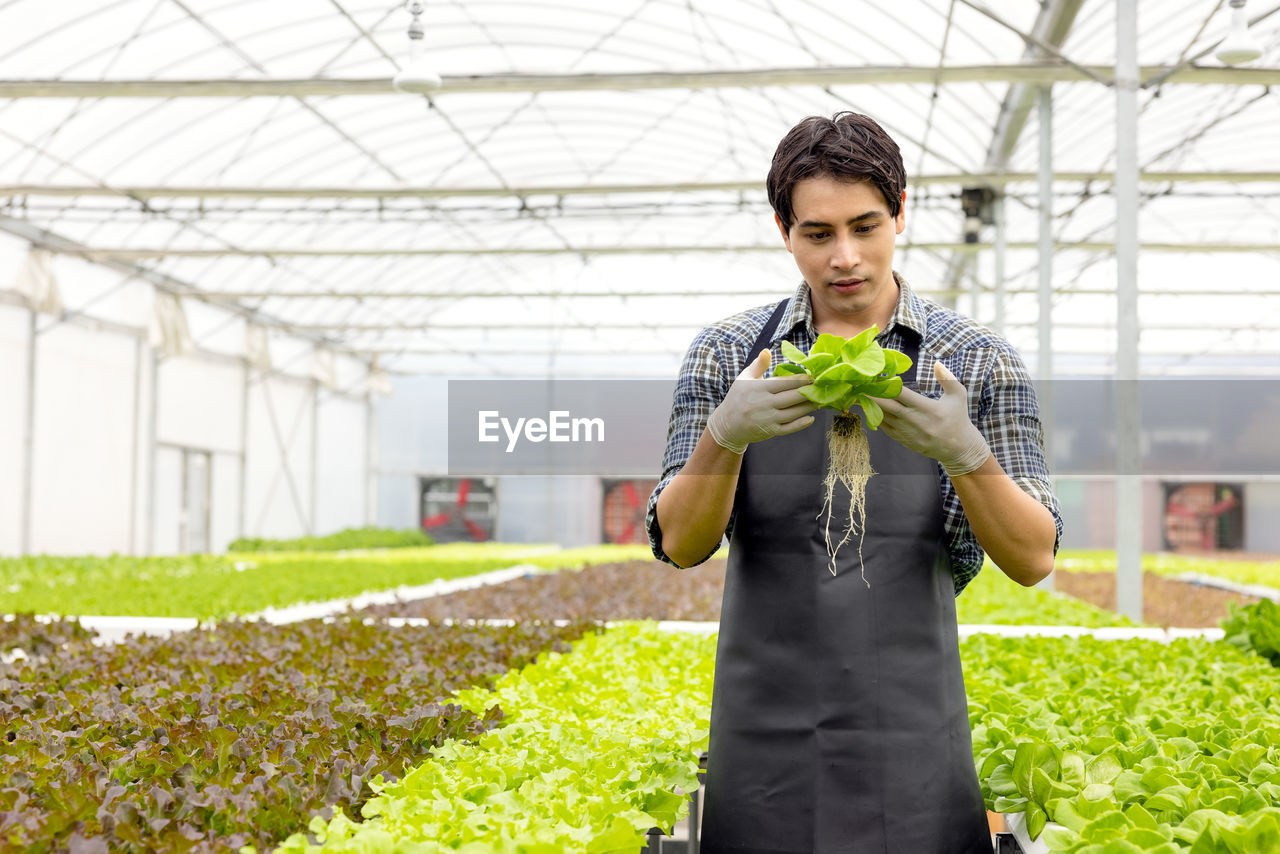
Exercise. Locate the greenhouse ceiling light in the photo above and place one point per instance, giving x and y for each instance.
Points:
(417, 76)
(1239, 45)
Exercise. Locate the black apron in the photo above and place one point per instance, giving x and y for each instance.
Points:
(838, 718)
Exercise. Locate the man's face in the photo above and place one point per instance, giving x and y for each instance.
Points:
(842, 240)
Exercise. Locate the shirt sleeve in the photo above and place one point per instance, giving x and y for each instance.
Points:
(700, 387)
(1009, 418)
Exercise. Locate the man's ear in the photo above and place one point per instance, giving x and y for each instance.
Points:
(901, 219)
(786, 236)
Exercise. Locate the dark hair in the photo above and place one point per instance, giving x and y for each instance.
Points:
(849, 147)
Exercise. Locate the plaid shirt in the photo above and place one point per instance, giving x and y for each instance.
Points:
(1002, 401)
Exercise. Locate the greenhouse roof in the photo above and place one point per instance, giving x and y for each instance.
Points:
(585, 189)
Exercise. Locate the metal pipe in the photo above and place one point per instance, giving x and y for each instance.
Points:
(193, 191)
(29, 437)
(1001, 248)
(244, 452)
(1015, 72)
(121, 254)
(134, 455)
(458, 296)
(975, 289)
(370, 464)
(1128, 412)
(184, 521)
(1044, 323)
(315, 456)
(152, 439)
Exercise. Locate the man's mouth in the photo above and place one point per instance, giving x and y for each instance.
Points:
(849, 285)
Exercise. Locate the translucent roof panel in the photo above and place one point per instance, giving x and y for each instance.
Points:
(605, 189)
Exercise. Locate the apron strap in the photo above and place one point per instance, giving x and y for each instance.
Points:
(766, 335)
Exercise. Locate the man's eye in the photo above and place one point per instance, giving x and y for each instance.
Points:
(817, 235)
(866, 229)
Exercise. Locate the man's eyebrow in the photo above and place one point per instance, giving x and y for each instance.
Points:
(869, 215)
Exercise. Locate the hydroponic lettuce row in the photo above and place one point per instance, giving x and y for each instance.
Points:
(649, 590)
(351, 538)
(37, 637)
(1252, 569)
(1132, 745)
(220, 586)
(1129, 746)
(598, 746)
(210, 740)
(1165, 601)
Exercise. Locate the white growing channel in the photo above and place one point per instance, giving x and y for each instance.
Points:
(558, 426)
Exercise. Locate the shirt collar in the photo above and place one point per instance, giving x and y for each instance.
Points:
(910, 312)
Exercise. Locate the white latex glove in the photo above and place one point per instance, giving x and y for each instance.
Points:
(756, 408)
(939, 428)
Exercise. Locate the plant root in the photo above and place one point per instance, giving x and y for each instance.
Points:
(850, 466)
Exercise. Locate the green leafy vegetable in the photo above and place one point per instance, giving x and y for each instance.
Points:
(219, 586)
(848, 372)
(1127, 745)
(1255, 628)
(350, 538)
(598, 746)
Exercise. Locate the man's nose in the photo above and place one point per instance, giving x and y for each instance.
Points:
(844, 254)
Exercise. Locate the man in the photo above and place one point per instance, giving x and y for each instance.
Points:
(839, 721)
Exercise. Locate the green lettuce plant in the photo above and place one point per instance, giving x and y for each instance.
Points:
(1255, 628)
(1125, 746)
(848, 372)
(993, 598)
(599, 746)
(349, 538)
(221, 586)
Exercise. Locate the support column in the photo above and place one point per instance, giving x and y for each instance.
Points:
(370, 464)
(975, 287)
(1001, 247)
(138, 353)
(1044, 324)
(151, 462)
(315, 456)
(29, 437)
(244, 449)
(1128, 410)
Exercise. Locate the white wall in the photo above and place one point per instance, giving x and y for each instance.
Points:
(224, 515)
(85, 410)
(279, 457)
(1261, 510)
(94, 471)
(200, 404)
(14, 334)
(166, 538)
(341, 445)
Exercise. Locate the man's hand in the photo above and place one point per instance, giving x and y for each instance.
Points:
(939, 428)
(756, 408)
